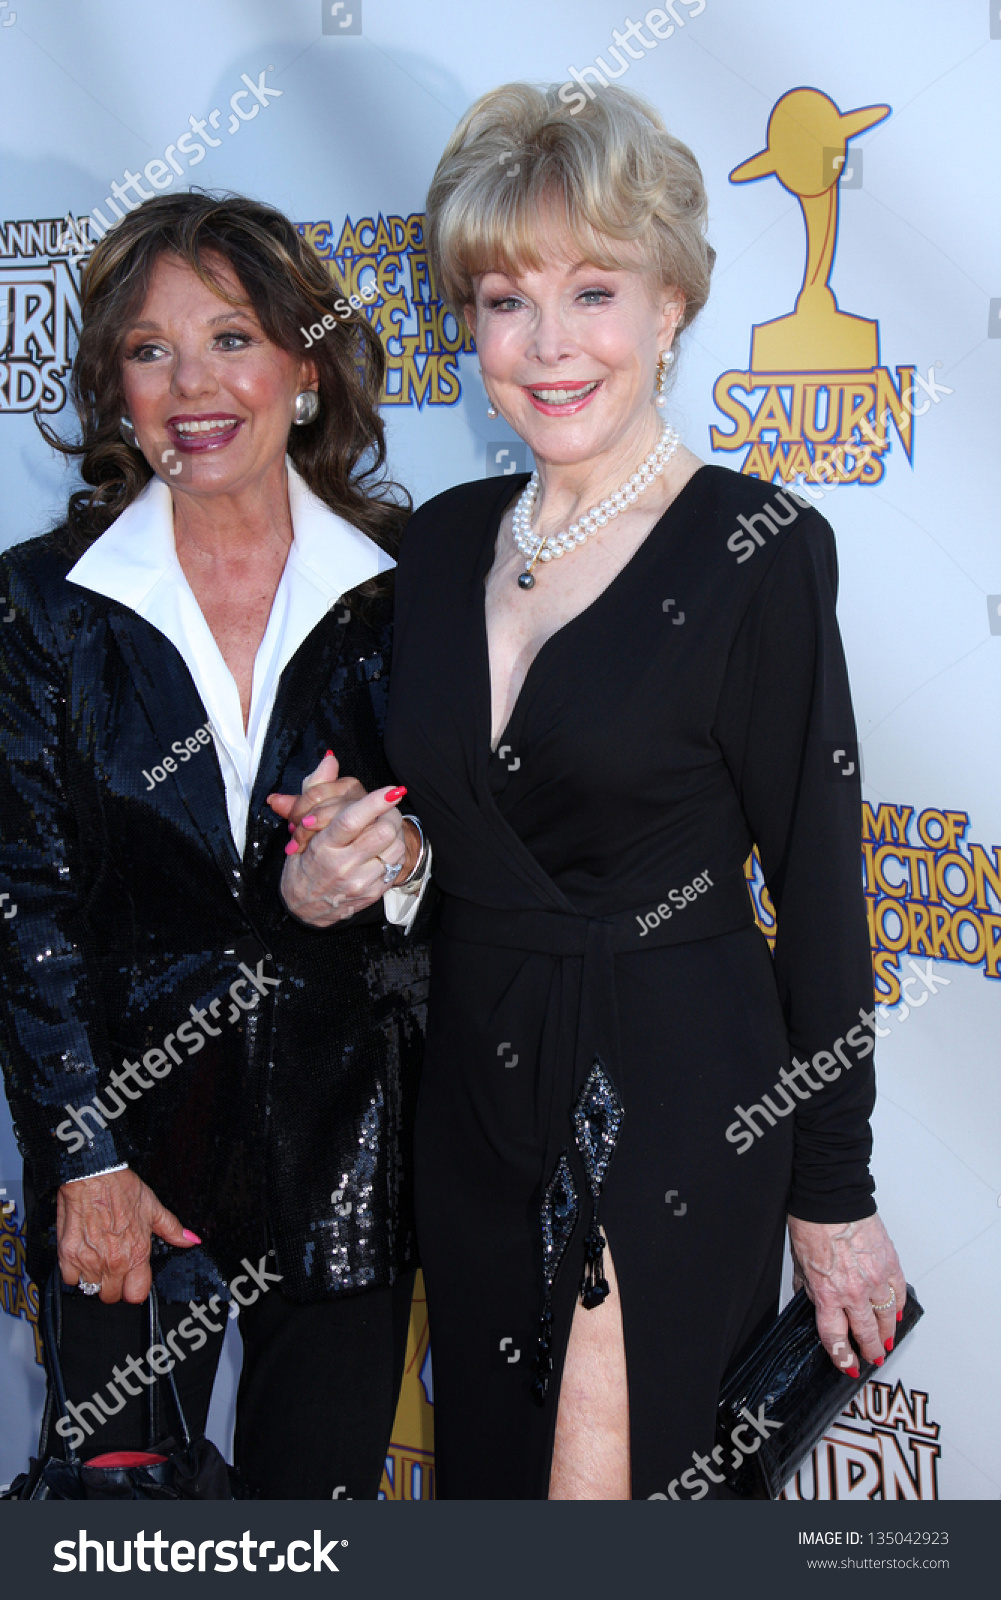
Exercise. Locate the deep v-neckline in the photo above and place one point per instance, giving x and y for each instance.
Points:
(486, 561)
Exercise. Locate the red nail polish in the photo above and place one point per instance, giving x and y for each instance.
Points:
(879, 1361)
(851, 1372)
(189, 1237)
(329, 752)
(900, 1316)
(392, 795)
(291, 849)
(309, 822)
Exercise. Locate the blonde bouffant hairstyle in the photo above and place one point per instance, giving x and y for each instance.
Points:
(606, 178)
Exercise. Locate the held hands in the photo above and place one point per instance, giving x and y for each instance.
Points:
(103, 1229)
(848, 1269)
(343, 840)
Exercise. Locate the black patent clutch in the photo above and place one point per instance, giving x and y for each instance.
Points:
(776, 1405)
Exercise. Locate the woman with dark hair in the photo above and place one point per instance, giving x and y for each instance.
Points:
(204, 1089)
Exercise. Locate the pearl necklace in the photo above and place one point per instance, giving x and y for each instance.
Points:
(552, 547)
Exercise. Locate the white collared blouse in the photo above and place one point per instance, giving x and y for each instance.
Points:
(135, 562)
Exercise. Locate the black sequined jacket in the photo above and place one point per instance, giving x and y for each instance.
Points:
(280, 1062)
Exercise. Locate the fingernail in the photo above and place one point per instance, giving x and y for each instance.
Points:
(392, 795)
(887, 1345)
(291, 827)
(189, 1237)
(329, 752)
(900, 1316)
(309, 822)
(291, 849)
(851, 1372)
(879, 1361)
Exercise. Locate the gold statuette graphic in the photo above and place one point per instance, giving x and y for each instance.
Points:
(409, 1470)
(806, 150)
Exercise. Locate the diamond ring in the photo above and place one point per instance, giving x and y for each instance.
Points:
(88, 1288)
(390, 874)
(886, 1304)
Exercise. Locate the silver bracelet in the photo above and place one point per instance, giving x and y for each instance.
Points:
(422, 859)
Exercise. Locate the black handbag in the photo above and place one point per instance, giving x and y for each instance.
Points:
(166, 1470)
(777, 1403)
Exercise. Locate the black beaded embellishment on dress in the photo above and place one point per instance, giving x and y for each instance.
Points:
(597, 1118)
(560, 1209)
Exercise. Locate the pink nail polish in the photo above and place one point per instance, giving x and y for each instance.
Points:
(309, 822)
(291, 849)
(291, 827)
(189, 1237)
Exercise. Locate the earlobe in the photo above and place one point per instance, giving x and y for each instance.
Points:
(674, 312)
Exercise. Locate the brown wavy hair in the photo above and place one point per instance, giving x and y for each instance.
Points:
(341, 454)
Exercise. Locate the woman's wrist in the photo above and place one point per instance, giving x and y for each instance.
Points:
(415, 860)
(85, 1177)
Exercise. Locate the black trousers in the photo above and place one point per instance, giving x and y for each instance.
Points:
(317, 1394)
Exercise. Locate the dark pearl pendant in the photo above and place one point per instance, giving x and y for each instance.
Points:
(526, 580)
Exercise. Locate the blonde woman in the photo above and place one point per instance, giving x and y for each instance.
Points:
(600, 709)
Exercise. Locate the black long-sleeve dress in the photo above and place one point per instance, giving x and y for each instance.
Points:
(587, 1051)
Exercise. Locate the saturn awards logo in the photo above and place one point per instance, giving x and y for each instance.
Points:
(815, 403)
(883, 1446)
(18, 1295)
(39, 312)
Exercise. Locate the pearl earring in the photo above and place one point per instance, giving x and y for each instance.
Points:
(491, 408)
(664, 360)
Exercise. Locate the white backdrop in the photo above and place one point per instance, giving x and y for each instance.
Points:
(369, 91)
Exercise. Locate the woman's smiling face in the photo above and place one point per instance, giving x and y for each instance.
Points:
(569, 353)
(210, 396)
